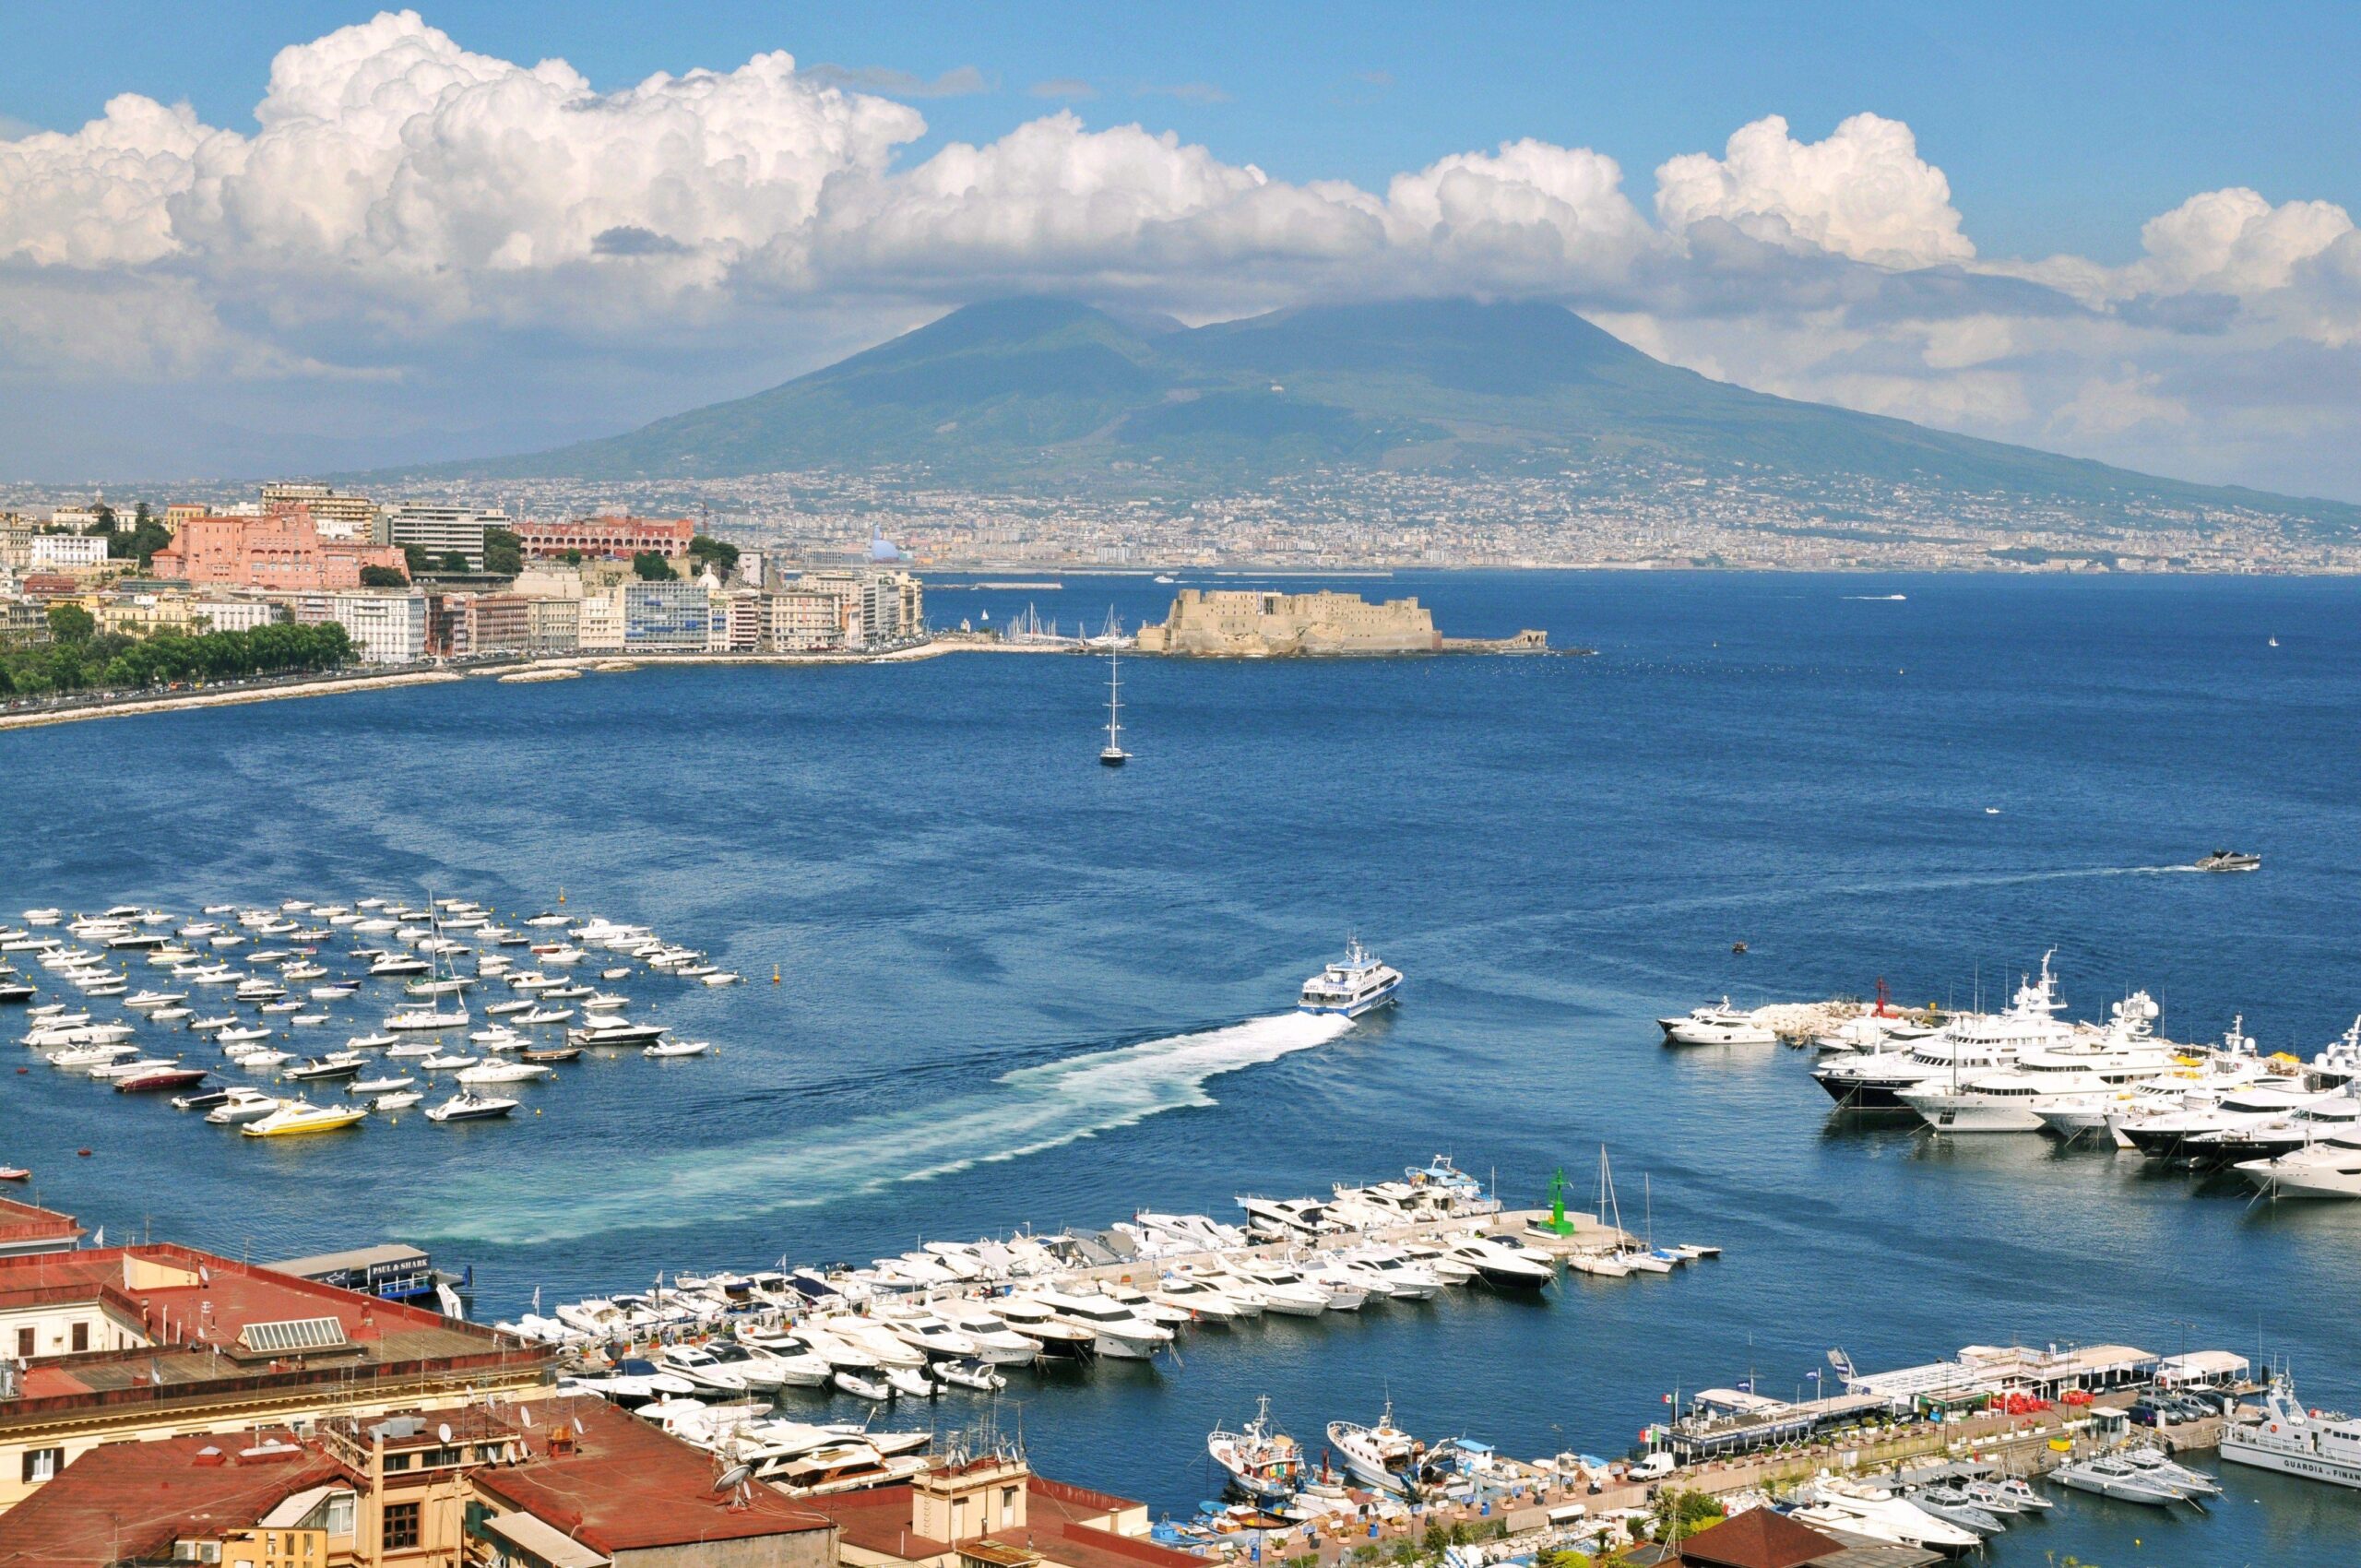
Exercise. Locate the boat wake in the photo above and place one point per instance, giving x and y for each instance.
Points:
(1021, 1112)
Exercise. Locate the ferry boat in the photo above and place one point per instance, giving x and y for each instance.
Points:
(2320, 1444)
(1354, 986)
(1261, 1463)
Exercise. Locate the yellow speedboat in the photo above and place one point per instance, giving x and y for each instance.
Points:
(296, 1117)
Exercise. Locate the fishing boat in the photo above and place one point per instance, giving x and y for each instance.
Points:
(1383, 1457)
(1262, 1462)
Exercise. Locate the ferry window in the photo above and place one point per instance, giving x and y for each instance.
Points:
(401, 1527)
(42, 1463)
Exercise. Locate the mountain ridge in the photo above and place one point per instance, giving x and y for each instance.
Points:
(1043, 392)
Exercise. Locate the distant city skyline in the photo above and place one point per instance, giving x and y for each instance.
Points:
(310, 237)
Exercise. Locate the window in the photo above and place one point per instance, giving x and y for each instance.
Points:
(42, 1463)
(81, 1337)
(401, 1527)
(339, 1514)
(24, 1344)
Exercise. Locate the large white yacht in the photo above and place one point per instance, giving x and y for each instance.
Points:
(2328, 1168)
(1352, 987)
(1970, 1046)
(1719, 1024)
(2288, 1438)
(2081, 1074)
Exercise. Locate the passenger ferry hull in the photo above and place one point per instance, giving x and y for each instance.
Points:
(1365, 1004)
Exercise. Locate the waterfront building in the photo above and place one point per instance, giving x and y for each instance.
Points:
(553, 625)
(449, 624)
(1764, 1538)
(281, 550)
(22, 621)
(800, 621)
(571, 1484)
(66, 552)
(385, 628)
(613, 539)
(599, 627)
(443, 530)
(673, 617)
(737, 621)
(232, 614)
(145, 613)
(500, 622)
(141, 1343)
(352, 519)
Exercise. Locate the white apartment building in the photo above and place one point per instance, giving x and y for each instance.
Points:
(236, 614)
(599, 628)
(443, 530)
(66, 552)
(800, 621)
(385, 628)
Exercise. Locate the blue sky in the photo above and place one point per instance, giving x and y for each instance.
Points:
(2062, 127)
(2118, 231)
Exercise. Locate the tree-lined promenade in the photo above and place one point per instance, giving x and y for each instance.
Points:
(78, 659)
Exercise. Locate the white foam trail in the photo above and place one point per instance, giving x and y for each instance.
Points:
(1019, 1113)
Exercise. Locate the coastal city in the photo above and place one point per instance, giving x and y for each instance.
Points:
(1337, 786)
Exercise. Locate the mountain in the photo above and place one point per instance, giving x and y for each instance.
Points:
(1052, 393)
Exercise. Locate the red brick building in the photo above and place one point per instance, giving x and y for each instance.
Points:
(610, 539)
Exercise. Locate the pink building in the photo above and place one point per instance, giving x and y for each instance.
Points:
(616, 539)
(280, 551)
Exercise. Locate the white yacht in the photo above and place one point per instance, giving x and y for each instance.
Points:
(2328, 1168)
(1115, 1328)
(1970, 1046)
(1356, 984)
(2326, 1116)
(1864, 1511)
(2085, 1074)
(2318, 1444)
(1284, 1289)
(1505, 1267)
(1718, 1024)
(424, 1018)
(243, 1105)
(2171, 1135)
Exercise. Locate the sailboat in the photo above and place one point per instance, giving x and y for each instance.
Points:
(1112, 754)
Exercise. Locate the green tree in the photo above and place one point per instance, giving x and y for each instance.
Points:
(503, 551)
(718, 553)
(106, 519)
(383, 576)
(142, 515)
(419, 562)
(571, 557)
(651, 567)
(1679, 1514)
(453, 561)
(146, 537)
(71, 624)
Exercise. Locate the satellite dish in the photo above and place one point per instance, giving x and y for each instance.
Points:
(732, 1477)
(444, 1431)
(526, 1412)
(577, 1426)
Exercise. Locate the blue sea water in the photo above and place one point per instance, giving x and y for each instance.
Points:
(1018, 989)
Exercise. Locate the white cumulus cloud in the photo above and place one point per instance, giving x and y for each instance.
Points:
(1863, 193)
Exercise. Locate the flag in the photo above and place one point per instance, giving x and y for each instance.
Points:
(98, 1237)
(1813, 1374)
(1667, 1399)
(1745, 1387)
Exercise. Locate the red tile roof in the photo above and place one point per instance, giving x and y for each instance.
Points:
(132, 1499)
(627, 1486)
(1760, 1538)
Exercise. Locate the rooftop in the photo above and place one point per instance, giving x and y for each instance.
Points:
(1059, 1526)
(621, 1485)
(25, 1227)
(131, 1501)
(213, 1320)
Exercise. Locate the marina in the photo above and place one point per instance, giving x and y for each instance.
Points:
(1020, 996)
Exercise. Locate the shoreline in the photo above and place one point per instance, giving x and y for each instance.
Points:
(584, 664)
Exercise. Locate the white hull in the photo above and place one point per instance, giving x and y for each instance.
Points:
(2307, 1466)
